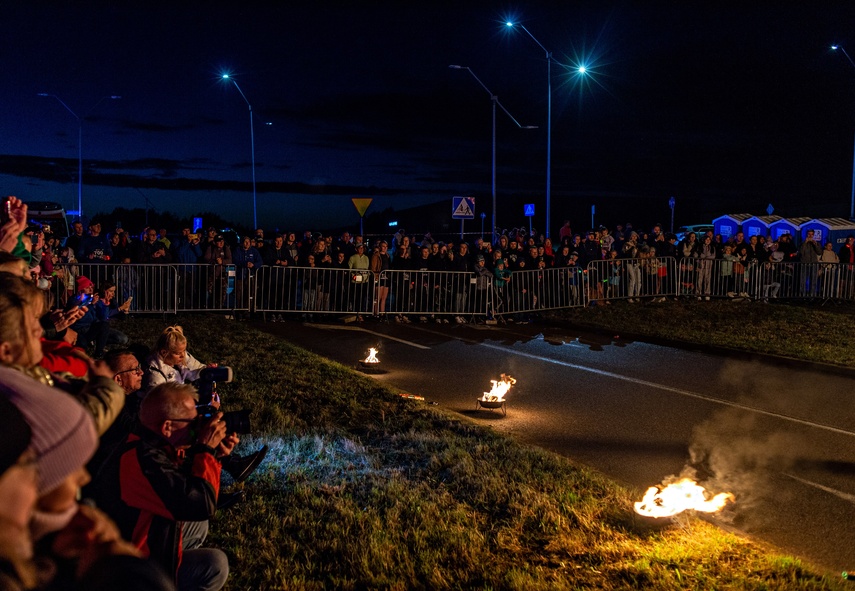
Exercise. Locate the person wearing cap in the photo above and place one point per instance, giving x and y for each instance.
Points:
(217, 255)
(359, 264)
(88, 329)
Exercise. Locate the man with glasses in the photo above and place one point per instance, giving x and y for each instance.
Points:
(127, 373)
(168, 484)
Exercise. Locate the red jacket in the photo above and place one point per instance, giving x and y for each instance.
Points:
(60, 357)
(158, 491)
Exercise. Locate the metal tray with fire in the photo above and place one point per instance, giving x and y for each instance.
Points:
(495, 398)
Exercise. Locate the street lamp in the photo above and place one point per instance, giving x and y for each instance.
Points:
(495, 100)
(252, 147)
(852, 201)
(79, 143)
(549, 59)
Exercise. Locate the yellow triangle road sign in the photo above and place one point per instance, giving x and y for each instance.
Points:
(362, 205)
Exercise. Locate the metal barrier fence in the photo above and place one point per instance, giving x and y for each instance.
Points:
(632, 279)
(757, 280)
(164, 289)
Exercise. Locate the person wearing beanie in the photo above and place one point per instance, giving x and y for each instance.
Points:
(81, 540)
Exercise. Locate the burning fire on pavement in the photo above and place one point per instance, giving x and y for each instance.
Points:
(684, 494)
(372, 356)
(499, 389)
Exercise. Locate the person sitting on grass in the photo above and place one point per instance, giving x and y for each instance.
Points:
(170, 362)
(168, 481)
(105, 310)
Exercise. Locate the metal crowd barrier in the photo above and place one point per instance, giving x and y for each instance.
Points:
(165, 289)
(631, 279)
(757, 280)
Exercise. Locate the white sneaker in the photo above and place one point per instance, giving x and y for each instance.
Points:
(422, 318)
(730, 294)
(743, 294)
(707, 298)
(458, 320)
(405, 320)
(398, 319)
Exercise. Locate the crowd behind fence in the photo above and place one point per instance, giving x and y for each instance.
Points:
(421, 294)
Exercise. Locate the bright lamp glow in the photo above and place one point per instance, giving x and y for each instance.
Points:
(509, 24)
(834, 46)
(226, 76)
(582, 69)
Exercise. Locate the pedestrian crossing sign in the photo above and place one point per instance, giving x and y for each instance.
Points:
(529, 209)
(463, 208)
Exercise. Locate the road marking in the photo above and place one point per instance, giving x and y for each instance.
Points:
(686, 393)
(361, 329)
(828, 489)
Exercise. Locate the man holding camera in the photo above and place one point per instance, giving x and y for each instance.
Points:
(169, 480)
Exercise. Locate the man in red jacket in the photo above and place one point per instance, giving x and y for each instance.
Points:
(169, 478)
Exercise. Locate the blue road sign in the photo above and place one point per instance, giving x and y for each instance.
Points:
(529, 209)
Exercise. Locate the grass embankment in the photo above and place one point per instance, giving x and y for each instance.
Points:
(824, 334)
(365, 490)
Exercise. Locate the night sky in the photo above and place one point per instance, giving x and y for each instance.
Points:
(726, 107)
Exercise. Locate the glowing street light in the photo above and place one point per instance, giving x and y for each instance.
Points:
(852, 201)
(252, 147)
(495, 101)
(79, 143)
(582, 70)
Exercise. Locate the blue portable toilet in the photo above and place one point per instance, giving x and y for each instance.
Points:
(834, 229)
(758, 225)
(789, 226)
(728, 225)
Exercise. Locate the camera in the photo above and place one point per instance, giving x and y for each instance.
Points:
(206, 384)
(236, 421)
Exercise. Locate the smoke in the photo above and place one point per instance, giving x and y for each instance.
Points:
(743, 452)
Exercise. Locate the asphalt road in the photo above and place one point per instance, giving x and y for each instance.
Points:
(779, 435)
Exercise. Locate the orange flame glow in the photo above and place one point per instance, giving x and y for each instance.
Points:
(683, 495)
(499, 389)
(372, 356)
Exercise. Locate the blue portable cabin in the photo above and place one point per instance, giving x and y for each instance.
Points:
(728, 225)
(789, 226)
(758, 225)
(834, 229)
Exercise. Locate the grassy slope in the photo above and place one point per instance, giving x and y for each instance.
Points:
(824, 334)
(365, 490)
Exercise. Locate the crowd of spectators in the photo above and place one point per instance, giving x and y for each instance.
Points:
(106, 483)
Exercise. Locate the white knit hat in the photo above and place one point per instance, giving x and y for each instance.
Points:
(64, 436)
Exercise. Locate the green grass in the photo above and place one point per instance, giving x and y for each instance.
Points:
(824, 334)
(363, 489)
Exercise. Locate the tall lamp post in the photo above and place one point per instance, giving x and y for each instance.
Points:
(252, 147)
(549, 60)
(79, 143)
(495, 101)
(852, 200)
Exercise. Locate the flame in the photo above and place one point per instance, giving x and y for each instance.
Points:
(679, 496)
(372, 356)
(500, 388)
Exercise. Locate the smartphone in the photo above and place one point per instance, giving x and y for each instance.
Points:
(83, 299)
(6, 212)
